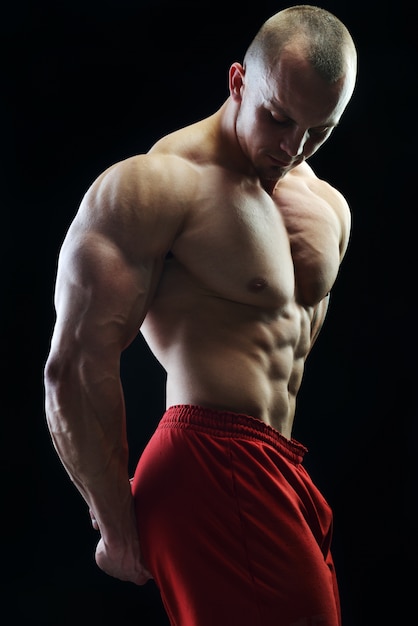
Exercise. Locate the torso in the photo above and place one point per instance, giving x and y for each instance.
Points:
(231, 320)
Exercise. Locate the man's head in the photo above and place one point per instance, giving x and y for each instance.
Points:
(297, 78)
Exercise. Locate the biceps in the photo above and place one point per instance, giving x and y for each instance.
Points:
(101, 297)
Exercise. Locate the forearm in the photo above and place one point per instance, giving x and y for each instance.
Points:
(87, 426)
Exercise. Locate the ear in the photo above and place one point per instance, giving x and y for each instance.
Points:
(236, 81)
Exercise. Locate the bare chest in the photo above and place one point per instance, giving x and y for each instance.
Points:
(243, 245)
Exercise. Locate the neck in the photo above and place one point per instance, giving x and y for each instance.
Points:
(232, 155)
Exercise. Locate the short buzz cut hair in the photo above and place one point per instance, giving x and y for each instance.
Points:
(324, 39)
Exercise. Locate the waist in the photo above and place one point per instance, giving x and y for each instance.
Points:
(238, 386)
(225, 423)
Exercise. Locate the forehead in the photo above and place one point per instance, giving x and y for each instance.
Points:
(293, 86)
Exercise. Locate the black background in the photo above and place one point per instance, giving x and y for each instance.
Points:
(85, 84)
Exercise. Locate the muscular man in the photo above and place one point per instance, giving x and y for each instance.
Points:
(221, 246)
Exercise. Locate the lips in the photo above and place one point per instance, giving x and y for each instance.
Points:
(279, 162)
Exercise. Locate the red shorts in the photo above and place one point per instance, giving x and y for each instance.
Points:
(231, 526)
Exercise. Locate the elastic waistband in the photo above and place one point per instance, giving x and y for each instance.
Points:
(221, 423)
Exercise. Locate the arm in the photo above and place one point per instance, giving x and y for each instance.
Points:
(318, 319)
(108, 270)
(342, 212)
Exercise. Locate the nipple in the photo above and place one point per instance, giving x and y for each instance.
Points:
(257, 284)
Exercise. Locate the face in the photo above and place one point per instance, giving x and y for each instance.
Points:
(285, 113)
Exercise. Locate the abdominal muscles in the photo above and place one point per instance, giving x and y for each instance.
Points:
(228, 355)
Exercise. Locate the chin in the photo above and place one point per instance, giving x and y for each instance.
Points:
(275, 174)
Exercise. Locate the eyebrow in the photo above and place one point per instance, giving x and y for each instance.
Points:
(282, 111)
(279, 108)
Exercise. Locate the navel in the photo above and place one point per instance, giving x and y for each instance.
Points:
(257, 284)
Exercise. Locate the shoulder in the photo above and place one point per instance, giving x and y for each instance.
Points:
(138, 205)
(338, 204)
(331, 194)
(144, 180)
(304, 182)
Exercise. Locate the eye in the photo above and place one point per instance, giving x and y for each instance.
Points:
(279, 119)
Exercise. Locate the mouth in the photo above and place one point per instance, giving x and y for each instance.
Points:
(279, 163)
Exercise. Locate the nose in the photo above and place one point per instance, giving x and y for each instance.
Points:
(294, 141)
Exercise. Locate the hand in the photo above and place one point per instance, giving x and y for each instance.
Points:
(122, 563)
